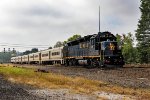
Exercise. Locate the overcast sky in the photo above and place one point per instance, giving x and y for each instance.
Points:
(44, 22)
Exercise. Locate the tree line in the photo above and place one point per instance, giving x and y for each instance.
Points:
(139, 53)
(5, 56)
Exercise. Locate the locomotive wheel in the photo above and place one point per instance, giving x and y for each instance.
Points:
(70, 63)
(101, 65)
(94, 64)
(74, 62)
(66, 63)
(89, 66)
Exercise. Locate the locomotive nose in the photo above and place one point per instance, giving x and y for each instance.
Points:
(113, 60)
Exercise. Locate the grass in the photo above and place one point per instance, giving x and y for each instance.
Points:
(77, 84)
(28, 76)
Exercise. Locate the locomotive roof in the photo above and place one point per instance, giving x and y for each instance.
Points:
(88, 37)
(82, 39)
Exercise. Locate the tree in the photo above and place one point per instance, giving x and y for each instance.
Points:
(58, 44)
(65, 42)
(143, 32)
(34, 50)
(50, 47)
(128, 49)
(74, 37)
(119, 40)
(129, 52)
(26, 52)
(5, 57)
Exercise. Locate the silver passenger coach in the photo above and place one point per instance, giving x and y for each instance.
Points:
(49, 56)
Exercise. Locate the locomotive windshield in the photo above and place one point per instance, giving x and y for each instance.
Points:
(110, 48)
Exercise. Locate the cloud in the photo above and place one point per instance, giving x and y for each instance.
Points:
(45, 22)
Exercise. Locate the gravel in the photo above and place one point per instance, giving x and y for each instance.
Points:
(112, 96)
(60, 94)
(12, 91)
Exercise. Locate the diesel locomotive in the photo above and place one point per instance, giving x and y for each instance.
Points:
(100, 50)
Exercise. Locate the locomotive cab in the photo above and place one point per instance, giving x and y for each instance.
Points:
(111, 54)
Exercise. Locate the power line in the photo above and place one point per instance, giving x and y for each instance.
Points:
(10, 45)
(21, 44)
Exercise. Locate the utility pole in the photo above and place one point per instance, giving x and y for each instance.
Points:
(99, 20)
(3, 53)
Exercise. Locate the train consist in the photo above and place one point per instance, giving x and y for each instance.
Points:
(93, 50)
(49, 56)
